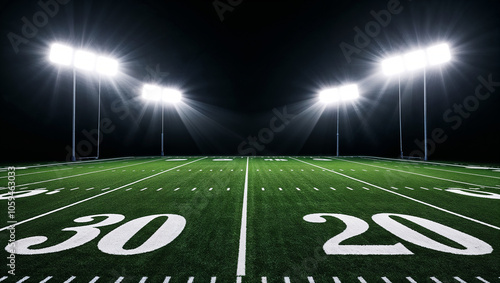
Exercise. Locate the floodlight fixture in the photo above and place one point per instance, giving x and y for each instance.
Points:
(415, 60)
(393, 66)
(85, 60)
(151, 92)
(61, 54)
(349, 92)
(171, 95)
(330, 95)
(106, 66)
(438, 54)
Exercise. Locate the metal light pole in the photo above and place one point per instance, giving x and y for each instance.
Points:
(400, 121)
(73, 157)
(338, 123)
(162, 119)
(99, 119)
(425, 116)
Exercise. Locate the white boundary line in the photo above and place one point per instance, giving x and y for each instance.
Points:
(72, 162)
(96, 196)
(442, 164)
(240, 271)
(404, 196)
(62, 169)
(87, 173)
(413, 161)
(418, 174)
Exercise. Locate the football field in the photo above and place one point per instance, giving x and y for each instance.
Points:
(251, 219)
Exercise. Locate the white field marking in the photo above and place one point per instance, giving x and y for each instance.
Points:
(321, 159)
(82, 174)
(90, 189)
(341, 170)
(332, 188)
(424, 188)
(240, 270)
(291, 169)
(74, 189)
(263, 279)
(190, 280)
(438, 189)
(482, 280)
(315, 188)
(238, 279)
(366, 188)
(336, 280)
(188, 170)
(3, 278)
(465, 173)
(178, 159)
(201, 169)
(72, 163)
(53, 192)
(459, 279)
(361, 279)
(228, 189)
(386, 280)
(143, 280)
(120, 279)
(105, 189)
(310, 279)
(263, 189)
(407, 197)
(287, 279)
(411, 280)
(194, 189)
(312, 169)
(210, 189)
(422, 175)
(353, 170)
(298, 189)
(280, 189)
(409, 188)
(37, 172)
(177, 189)
(281, 170)
(23, 279)
(94, 280)
(364, 170)
(70, 279)
(159, 189)
(435, 280)
(222, 159)
(167, 279)
(144, 189)
(46, 279)
(96, 196)
(349, 188)
(221, 170)
(128, 189)
(213, 279)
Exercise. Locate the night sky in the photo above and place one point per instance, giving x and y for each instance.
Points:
(250, 70)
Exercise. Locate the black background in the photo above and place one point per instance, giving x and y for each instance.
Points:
(264, 55)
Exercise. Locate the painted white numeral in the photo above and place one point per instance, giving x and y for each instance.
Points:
(111, 243)
(473, 193)
(354, 227)
(23, 194)
(472, 245)
(84, 234)
(114, 241)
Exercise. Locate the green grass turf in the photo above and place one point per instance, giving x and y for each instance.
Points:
(279, 242)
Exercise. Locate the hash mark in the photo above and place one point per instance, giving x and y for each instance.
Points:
(481, 279)
(386, 280)
(46, 279)
(459, 279)
(190, 280)
(411, 280)
(435, 280)
(349, 188)
(332, 188)
(94, 280)
(361, 279)
(287, 279)
(176, 189)
(143, 280)
(70, 279)
(212, 280)
(310, 279)
(167, 279)
(336, 280)
(120, 279)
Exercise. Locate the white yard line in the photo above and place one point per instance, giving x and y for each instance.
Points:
(82, 174)
(2, 177)
(240, 271)
(404, 196)
(418, 174)
(96, 196)
(72, 162)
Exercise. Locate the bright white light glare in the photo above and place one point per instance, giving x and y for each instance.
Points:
(61, 54)
(329, 95)
(415, 60)
(151, 92)
(106, 66)
(438, 54)
(393, 66)
(344, 93)
(349, 92)
(85, 60)
(171, 95)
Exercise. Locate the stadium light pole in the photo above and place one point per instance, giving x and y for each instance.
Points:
(80, 59)
(416, 60)
(338, 95)
(164, 96)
